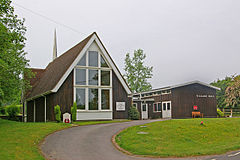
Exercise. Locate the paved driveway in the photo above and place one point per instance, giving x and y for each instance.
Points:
(94, 143)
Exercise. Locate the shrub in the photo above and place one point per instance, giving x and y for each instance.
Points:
(133, 113)
(57, 112)
(2, 110)
(12, 112)
(74, 111)
(220, 113)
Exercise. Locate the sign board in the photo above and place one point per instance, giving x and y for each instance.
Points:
(66, 118)
(120, 106)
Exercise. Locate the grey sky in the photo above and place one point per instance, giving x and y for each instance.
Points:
(184, 40)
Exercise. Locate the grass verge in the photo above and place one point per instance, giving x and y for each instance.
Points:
(20, 140)
(83, 123)
(181, 138)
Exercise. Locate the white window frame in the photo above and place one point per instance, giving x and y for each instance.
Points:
(157, 107)
(87, 86)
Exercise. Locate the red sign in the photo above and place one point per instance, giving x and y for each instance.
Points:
(195, 107)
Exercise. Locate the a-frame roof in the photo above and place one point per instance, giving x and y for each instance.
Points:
(58, 70)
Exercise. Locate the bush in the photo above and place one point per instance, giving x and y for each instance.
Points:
(2, 110)
(74, 111)
(57, 112)
(133, 113)
(12, 112)
(220, 113)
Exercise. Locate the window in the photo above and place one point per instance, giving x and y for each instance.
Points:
(103, 62)
(93, 99)
(144, 108)
(105, 78)
(80, 98)
(157, 107)
(168, 106)
(80, 77)
(154, 107)
(93, 87)
(93, 77)
(93, 58)
(164, 106)
(82, 61)
(105, 97)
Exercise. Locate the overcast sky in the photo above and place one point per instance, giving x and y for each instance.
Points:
(184, 40)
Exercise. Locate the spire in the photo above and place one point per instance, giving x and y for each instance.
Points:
(55, 45)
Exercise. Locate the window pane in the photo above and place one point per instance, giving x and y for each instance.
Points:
(105, 78)
(80, 77)
(144, 107)
(82, 61)
(159, 106)
(154, 107)
(103, 62)
(105, 99)
(164, 106)
(80, 98)
(93, 99)
(93, 77)
(168, 106)
(93, 58)
(135, 105)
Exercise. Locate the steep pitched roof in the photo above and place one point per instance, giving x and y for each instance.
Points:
(55, 70)
(58, 70)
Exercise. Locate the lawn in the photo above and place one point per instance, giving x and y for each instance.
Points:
(20, 141)
(180, 138)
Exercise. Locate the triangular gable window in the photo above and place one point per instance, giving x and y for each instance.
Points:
(82, 61)
(103, 62)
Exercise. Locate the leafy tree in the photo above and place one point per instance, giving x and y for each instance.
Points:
(133, 113)
(233, 93)
(13, 63)
(220, 95)
(136, 73)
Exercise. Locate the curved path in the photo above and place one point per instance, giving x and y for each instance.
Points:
(93, 142)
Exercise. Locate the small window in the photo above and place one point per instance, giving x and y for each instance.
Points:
(159, 107)
(105, 98)
(103, 62)
(82, 61)
(144, 108)
(164, 106)
(93, 77)
(80, 78)
(155, 107)
(80, 98)
(105, 78)
(168, 106)
(93, 99)
(93, 58)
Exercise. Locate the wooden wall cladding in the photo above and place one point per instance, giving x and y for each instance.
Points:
(30, 105)
(119, 95)
(184, 98)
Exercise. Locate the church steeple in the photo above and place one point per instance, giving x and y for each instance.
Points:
(55, 45)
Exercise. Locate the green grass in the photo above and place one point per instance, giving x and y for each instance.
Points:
(180, 138)
(20, 141)
(82, 123)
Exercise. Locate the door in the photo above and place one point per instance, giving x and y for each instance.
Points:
(144, 111)
(166, 109)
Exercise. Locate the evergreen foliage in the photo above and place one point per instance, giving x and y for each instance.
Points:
(74, 111)
(57, 112)
(133, 113)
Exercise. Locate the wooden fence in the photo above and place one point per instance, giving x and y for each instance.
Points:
(235, 112)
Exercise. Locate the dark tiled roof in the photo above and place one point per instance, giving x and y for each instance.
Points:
(38, 73)
(56, 69)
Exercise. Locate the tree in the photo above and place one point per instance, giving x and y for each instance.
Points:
(13, 64)
(233, 93)
(136, 73)
(220, 95)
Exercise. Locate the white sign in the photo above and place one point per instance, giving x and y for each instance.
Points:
(66, 118)
(204, 96)
(120, 106)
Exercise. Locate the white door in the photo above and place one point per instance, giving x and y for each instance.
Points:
(144, 111)
(166, 109)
